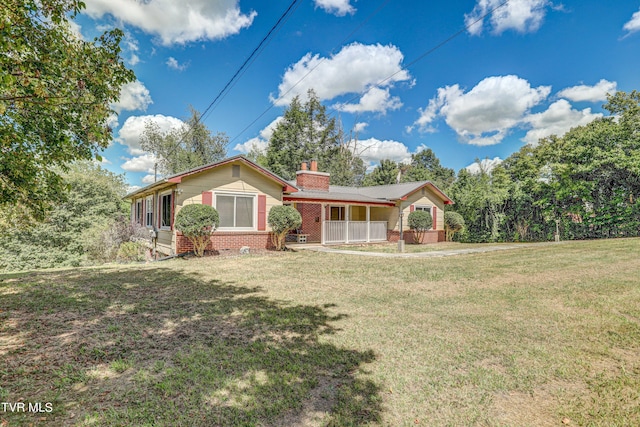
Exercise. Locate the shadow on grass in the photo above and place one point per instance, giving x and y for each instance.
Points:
(160, 347)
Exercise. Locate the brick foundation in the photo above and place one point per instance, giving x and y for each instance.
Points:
(310, 212)
(432, 236)
(228, 241)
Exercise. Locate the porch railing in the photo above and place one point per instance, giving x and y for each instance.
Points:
(356, 231)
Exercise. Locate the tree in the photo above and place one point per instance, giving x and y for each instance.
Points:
(387, 172)
(425, 166)
(453, 223)
(185, 148)
(307, 133)
(420, 222)
(282, 219)
(71, 231)
(197, 223)
(55, 97)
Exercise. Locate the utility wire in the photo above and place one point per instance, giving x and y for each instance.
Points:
(419, 58)
(367, 19)
(239, 72)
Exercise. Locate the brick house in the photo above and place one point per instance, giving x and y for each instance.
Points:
(243, 192)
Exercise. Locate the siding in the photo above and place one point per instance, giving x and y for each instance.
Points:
(421, 197)
(221, 179)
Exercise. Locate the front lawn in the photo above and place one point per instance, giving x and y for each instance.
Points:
(387, 247)
(530, 336)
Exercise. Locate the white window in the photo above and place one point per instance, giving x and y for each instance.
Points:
(425, 208)
(149, 212)
(166, 205)
(236, 211)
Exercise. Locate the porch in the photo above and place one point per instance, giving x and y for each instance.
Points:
(334, 223)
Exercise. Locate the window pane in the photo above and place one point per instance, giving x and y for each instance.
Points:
(244, 211)
(166, 211)
(224, 206)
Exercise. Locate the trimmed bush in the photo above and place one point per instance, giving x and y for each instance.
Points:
(197, 223)
(282, 219)
(453, 223)
(420, 222)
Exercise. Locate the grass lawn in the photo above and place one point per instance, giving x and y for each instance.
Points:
(410, 248)
(525, 337)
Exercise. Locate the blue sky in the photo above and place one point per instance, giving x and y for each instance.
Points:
(530, 69)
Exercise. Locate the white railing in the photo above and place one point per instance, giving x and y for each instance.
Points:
(377, 231)
(334, 231)
(356, 231)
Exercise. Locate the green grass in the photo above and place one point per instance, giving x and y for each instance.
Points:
(410, 248)
(529, 336)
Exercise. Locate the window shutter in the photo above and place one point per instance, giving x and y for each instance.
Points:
(207, 198)
(143, 220)
(435, 218)
(412, 208)
(262, 212)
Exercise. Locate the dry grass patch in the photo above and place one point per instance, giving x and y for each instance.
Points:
(530, 336)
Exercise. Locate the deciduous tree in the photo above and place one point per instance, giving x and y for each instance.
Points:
(55, 95)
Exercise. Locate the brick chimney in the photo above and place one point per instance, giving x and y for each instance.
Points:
(312, 180)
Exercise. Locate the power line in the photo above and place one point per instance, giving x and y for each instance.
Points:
(344, 39)
(239, 72)
(419, 58)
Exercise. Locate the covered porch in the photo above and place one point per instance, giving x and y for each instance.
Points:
(340, 223)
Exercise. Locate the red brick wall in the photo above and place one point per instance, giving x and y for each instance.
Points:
(309, 213)
(431, 236)
(312, 180)
(228, 240)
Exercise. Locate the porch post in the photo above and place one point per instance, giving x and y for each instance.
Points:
(368, 224)
(347, 208)
(322, 222)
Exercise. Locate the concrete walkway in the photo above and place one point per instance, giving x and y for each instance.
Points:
(427, 254)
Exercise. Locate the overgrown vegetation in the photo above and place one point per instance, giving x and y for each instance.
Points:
(88, 224)
(283, 219)
(586, 183)
(529, 337)
(453, 223)
(197, 223)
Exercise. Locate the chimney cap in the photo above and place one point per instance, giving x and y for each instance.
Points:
(314, 165)
(303, 166)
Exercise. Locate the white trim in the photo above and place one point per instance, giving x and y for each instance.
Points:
(160, 196)
(146, 211)
(253, 195)
(427, 208)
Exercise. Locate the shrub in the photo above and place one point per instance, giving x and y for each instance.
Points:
(420, 222)
(102, 242)
(131, 252)
(283, 219)
(197, 222)
(453, 223)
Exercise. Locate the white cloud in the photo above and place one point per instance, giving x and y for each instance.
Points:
(486, 165)
(133, 96)
(360, 127)
(376, 100)
(133, 127)
(149, 179)
(523, 16)
(373, 150)
(354, 69)
(177, 22)
(259, 142)
(558, 119)
(133, 188)
(134, 60)
(634, 24)
(337, 7)
(174, 64)
(485, 114)
(595, 93)
(143, 163)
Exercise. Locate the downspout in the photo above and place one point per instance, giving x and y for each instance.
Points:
(401, 240)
